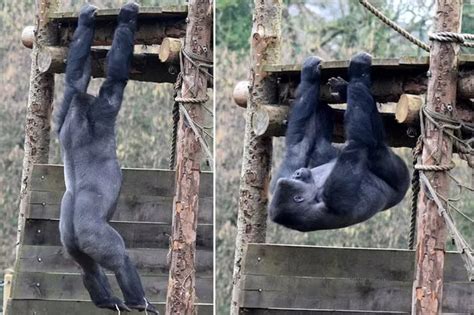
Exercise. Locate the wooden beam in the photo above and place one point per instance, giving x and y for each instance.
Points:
(145, 66)
(385, 87)
(427, 295)
(408, 108)
(170, 49)
(257, 151)
(181, 295)
(271, 120)
(28, 36)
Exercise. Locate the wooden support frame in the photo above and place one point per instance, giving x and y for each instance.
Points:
(427, 292)
(40, 99)
(257, 155)
(181, 295)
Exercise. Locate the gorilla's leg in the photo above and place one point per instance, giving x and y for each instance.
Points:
(347, 183)
(309, 132)
(78, 66)
(105, 245)
(93, 276)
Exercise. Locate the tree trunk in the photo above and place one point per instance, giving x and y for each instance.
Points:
(38, 113)
(257, 155)
(181, 295)
(431, 228)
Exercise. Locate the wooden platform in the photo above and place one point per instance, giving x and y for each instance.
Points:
(154, 23)
(47, 282)
(284, 279)
(391, 78)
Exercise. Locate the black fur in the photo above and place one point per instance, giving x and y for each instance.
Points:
(320, 187)
(86, 128)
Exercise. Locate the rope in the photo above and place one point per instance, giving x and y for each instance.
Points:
(415, 190)
(203, 142)
(441, 36)
(435, 168)
(192, 100)
(394, 25)
(174, 135)
(453, 37)
(461, 244)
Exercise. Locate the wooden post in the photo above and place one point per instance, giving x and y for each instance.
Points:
(40, 98)
(431, 228)
(257, 155)
(181, 296)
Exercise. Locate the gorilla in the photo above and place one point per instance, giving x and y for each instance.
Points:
(86, 129)
(320, 186)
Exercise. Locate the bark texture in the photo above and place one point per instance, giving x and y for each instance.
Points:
(181, 295)
(431, 228)
(40, 99)
(257, 155)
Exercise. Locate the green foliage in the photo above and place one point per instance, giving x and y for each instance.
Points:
(233, 23)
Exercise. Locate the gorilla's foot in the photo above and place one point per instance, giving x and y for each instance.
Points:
(129, 12)
(311, 70)
(142, 306)
(114, 303)
(87, 14)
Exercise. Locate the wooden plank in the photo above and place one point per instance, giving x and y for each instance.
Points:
(147, 261)
(312, 261)
(342, 293)
(407, 62)
(135, 235)
(47, 177)
(138, 208)
(42, 307)
(281, 311)
(109, 14)
(68, 286)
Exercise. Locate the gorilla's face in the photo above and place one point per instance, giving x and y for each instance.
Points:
(296, 192)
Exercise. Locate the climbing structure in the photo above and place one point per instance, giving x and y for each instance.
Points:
(44, 280)
(282, 279)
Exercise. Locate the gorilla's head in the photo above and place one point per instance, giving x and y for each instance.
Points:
(294, 194)
(360, 66)
(311, 69)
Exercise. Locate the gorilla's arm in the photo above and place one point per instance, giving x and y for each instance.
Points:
(300, 132)
(119, 59)
(78, 66)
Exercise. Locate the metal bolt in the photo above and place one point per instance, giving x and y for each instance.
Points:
(43, 204)
(40, 259)
(428, 74)
(42, 177)
(260, 290)
(38, 284)
(449, 107)
(39, 231)
(259, 259)
(411, 132)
